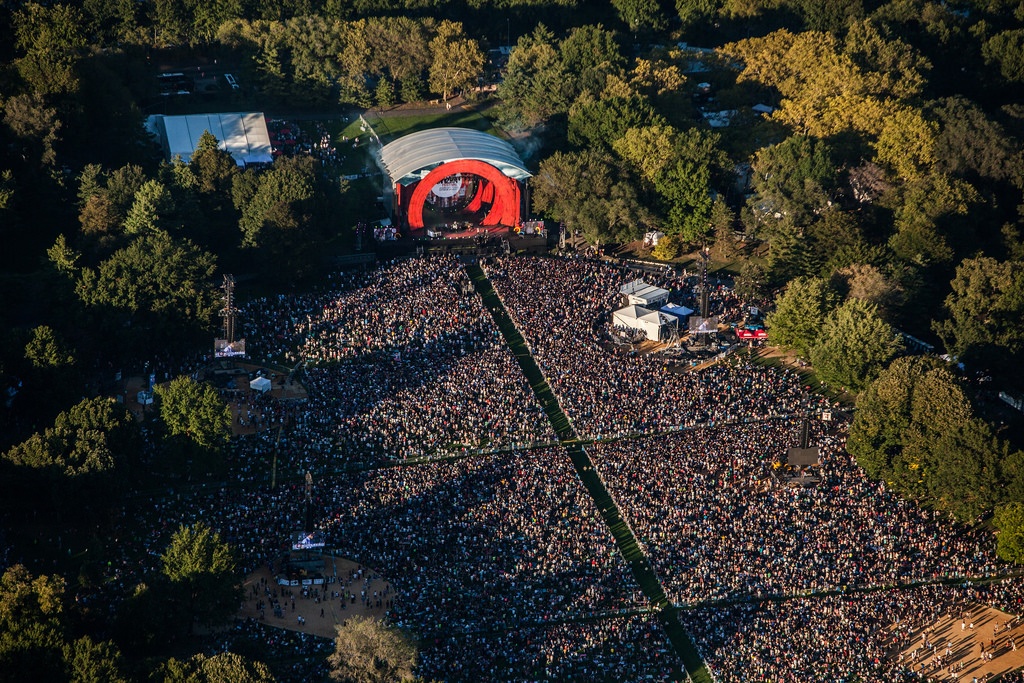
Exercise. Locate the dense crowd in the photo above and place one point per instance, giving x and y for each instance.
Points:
(722, 523)
(557, 303)
(854, 637)
(500, 561)
(482, 543)
(402, 361)
(631, 648)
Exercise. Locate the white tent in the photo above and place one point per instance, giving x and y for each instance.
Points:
(260, 384)
(651, 323)
(640, 293)
(243, 134)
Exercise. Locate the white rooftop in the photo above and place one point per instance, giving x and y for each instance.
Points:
(412, 156)
(242, 134)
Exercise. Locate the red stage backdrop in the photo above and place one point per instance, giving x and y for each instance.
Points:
(504, 211)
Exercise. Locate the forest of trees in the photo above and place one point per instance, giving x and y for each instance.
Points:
(876, 191)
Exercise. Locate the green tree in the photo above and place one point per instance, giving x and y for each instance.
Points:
(50, 38)
(149, 212)
(536, 86)
(640, 14)
(47, 350)
(1007, 50)
(155, 278)
(367, 651)
(985, 309)
(854, 345)
(456, 61)
(35, 126)
(590, 54)
(225, 667)
(599, 122)
(583, 190)
(668, 247)
(795, 178)
(89, 661)
(195, 410)
(98, 436)
(800, 314)
(915, 428)
(31, 625)
(213, 167)
(201, 571)
(1009, 519)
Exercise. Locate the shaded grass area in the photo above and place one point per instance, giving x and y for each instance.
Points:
(624, 538)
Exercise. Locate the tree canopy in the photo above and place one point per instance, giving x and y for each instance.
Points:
(367, 651)
(194, 410)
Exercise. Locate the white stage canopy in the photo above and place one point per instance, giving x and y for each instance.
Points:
(651, 323)
(640, 293)
(243, 135)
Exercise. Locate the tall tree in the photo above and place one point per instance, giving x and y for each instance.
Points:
(640, 14)
(456, 60)
(224, 667)
(985, 309)
(201, 570)
(1009, 519)
(156, 278)
(536, 84)
(195, 410)
(798, 320)
(50, 36)
(367, 651)
(854, 345)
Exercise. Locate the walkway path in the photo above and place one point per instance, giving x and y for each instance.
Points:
(624, 538)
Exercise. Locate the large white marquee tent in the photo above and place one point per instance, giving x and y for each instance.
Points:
(243, 135)
(653, 324)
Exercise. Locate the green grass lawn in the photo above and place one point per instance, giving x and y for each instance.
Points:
(394, 124)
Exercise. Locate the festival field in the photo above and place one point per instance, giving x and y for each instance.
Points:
(319, 615)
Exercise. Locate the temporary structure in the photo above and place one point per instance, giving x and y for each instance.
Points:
(640, 293)
(260, 384)
(653, 324)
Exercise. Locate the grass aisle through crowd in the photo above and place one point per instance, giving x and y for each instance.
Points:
(624, 538)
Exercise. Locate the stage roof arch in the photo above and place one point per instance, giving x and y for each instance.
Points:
(411, 157)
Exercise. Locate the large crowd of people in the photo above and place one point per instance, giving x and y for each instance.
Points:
(500, 562)
(400, 362)
(557, 303)
(631, 648)
(721, 523)
(856, 636)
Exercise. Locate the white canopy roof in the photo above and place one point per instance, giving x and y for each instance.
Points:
(412, 156)
(639, 318)
(243, 135)
(640, 293)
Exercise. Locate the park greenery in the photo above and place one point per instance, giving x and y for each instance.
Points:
(869, 185)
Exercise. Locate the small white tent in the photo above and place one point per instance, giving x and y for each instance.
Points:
(640, 293)
(651, 323)
(260, 384)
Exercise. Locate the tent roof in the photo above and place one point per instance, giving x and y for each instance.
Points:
(243, 135)
(412, 156)
(632, 312)
(681, 311)
(259, 383)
